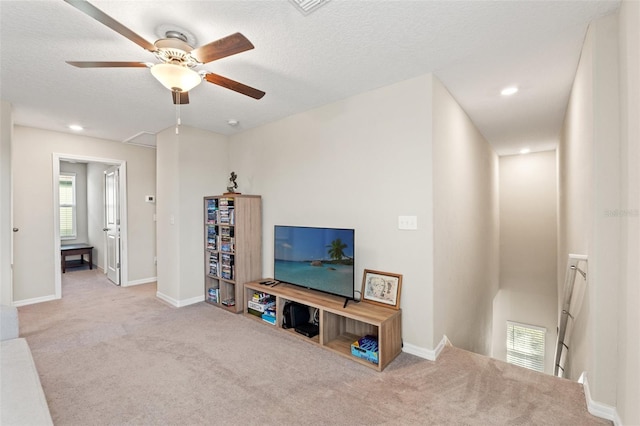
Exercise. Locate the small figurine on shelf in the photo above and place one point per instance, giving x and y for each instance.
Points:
(233, 185)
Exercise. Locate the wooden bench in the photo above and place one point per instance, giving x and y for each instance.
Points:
(75, 250)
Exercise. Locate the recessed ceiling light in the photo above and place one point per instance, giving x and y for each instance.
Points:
(75, 127)
(233, 122)
(525, 151)
(508, 91)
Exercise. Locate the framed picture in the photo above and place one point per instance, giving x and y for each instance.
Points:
(381, 288)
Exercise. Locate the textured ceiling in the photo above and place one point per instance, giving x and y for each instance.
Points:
(301, 61)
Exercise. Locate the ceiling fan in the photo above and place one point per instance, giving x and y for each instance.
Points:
(178, 59)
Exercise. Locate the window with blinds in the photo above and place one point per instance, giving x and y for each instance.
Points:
(525, 345)
(67, 187)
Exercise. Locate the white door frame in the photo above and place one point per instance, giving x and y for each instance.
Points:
(124, 269)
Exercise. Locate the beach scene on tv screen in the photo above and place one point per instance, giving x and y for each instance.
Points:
(317, 258)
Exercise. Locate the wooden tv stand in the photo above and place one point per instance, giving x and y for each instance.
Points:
(339, 326)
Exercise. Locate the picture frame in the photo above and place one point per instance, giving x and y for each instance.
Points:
(381, 288)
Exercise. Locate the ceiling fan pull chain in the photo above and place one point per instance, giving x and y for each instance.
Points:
(178, 122)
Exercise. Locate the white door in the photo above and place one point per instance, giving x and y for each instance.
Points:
(112, 223)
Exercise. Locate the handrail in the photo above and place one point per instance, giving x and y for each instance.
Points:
(571, 304)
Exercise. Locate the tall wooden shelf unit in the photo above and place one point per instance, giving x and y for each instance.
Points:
(340, 326)
(232, 248)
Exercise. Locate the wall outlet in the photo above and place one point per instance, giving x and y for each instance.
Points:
(408, 222)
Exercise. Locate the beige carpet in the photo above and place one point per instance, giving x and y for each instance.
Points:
(111, 355)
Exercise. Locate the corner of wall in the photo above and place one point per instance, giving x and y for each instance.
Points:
(430, 354)
(179, 303)
(598, 409)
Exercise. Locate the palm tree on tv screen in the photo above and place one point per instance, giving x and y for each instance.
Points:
(336, 249)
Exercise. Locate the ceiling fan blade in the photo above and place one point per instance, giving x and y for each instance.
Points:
(107, 20)
(104, 64)
(234, 85)
(226, 46)
(180, 98)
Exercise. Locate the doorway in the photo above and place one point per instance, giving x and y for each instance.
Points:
(99, 241)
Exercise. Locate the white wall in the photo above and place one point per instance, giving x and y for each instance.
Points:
(599, 208)
(6, 233)
(191, 165)
(358, 163)
(33, 188)
(628, 313)
(465, 203)
(589, 161)
(528, 249)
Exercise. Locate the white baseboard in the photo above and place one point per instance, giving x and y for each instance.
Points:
(191, 301)
(35, 300)
(141, 281)
(179, 303)
(430, 354)
(598, 409)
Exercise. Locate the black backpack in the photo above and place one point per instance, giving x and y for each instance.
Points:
(294, 314)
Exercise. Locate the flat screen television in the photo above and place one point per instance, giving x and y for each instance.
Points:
(316, 258)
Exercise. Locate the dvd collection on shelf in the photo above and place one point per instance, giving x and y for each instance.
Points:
(263, 305)
(220, 246)
(227, 266)
(226, 211)
(220, 237)
(212, 211)
(221, 210)
(227, 241)
(212, 237)
(213, 264)
(213, 296)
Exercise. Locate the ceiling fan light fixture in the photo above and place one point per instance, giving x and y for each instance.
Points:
(176, 77)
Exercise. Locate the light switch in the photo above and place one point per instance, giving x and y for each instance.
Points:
(408, 222)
